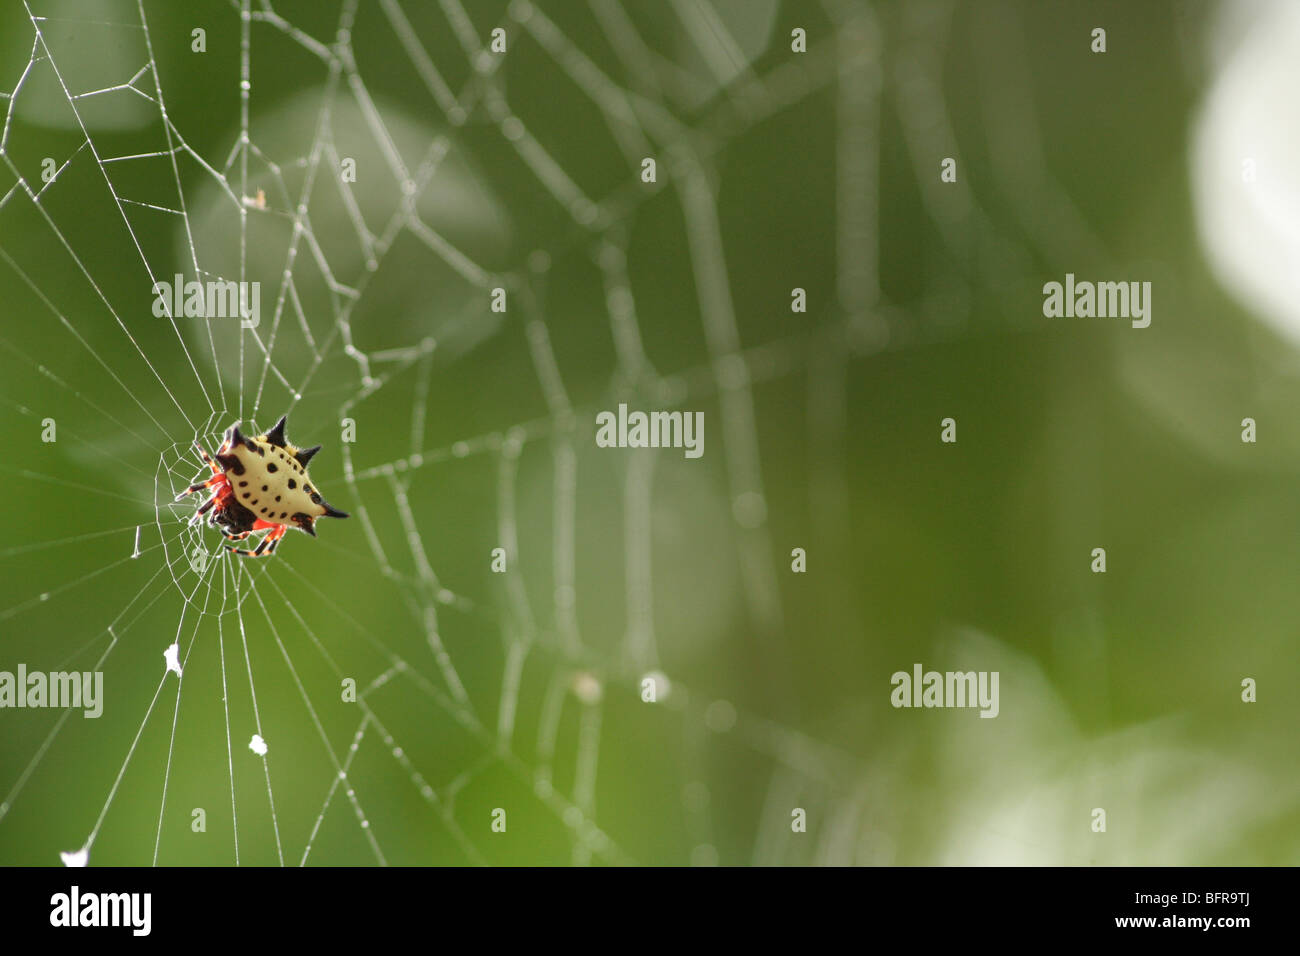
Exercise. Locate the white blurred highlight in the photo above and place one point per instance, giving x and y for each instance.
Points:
(1251, 230)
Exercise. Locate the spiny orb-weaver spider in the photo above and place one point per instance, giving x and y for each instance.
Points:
(260, 484)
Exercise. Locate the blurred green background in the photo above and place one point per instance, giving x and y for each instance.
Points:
(474, 430)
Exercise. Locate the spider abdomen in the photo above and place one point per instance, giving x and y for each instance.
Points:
(262, 484)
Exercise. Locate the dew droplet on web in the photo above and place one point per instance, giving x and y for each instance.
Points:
(512, 128)
(749, 509)
(587, 687)
(595, 838)
(672, 390)
(732, 372)
(720, 716)
(695, 796)
(704, 855)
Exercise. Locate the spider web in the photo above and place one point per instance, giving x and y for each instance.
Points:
(474, 690)
(336, 787)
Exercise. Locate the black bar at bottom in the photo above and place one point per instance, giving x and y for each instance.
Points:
(333, 905)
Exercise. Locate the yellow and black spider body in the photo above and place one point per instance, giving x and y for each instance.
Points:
(260, 484)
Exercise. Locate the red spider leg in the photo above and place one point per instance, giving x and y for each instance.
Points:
(218, 475)
(216, 469)
(218, 497)
(267, 544)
